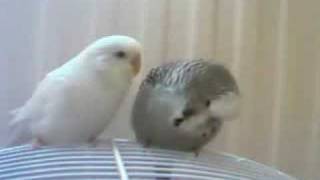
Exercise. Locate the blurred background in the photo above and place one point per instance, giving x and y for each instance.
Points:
(272, 47)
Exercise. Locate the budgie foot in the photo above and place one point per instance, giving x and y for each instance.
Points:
(196, 152)
(94, 141)
(37, 143)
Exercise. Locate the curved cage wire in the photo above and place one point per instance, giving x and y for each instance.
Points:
(127, 160)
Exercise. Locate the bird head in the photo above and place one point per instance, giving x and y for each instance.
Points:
(183, 114)
(121, 51)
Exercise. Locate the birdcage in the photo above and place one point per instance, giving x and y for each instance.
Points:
(127, 160)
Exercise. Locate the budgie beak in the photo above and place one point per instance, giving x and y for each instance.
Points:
(136, 64)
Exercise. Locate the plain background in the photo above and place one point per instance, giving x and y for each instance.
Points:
(271, 46)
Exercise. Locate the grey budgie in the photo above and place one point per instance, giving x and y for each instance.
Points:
(182, 105)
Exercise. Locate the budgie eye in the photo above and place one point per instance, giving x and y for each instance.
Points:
(204, 135)
(207, 103)
(177, 121)
(120, 54)
(187, 112)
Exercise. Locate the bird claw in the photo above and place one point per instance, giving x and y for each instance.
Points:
(37, 143)
(147, 143)
(196, 152)
(94, 142)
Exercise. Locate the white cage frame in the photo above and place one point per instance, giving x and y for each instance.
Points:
(126, 160)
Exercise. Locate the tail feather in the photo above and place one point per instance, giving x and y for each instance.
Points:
(20, 132)
(14, 112)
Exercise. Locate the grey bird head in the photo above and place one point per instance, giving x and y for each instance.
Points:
(182, 105)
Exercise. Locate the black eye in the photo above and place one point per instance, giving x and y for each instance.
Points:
(204, 135)
(120, 54)
(187, 112)
(178, 121)
(207, 103)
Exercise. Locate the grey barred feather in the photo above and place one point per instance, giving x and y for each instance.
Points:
(174, 73)
(190, 75)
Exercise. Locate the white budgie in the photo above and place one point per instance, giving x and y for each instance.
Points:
(182, 105)
(76, 102)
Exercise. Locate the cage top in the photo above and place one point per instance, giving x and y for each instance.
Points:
(127, 160)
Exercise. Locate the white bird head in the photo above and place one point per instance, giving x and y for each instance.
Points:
(117, 50)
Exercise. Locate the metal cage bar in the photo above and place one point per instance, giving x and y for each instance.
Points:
(127, 160)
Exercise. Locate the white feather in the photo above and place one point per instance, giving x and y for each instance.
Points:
(75, 102)
(227, 106)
